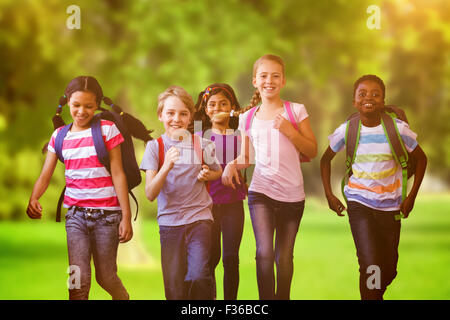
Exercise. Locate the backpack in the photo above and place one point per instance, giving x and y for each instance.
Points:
(129, 163)
(288, 109)
(401, 156)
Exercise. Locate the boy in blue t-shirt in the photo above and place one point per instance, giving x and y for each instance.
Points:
(184, 204)
(374, 191)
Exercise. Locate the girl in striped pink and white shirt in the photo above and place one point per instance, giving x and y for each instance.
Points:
(99, 211)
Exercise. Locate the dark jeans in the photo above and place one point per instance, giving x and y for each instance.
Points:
(269, 215)
(228, 220)
(185, 253)
(376, 235)
(93, 235)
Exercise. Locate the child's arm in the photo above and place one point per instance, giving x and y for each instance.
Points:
(303, 140)
(325, 170)
(206, 174)
(421, 165)
(120, 185)
(34, 209)
(154, 180)
(230, 172)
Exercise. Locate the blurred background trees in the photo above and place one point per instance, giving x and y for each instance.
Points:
(136, 49)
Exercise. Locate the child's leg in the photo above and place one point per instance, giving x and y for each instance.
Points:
(287, 222)
(262, 214)
(79, 250)
(232, 229)
(364, 231)
(388, 241)
(105, 242)
(173, 261)
(216, 227)
(198, 276)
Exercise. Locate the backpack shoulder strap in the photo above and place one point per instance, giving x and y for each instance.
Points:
(196, 140)
(249, 120)
(288, 109)
(160, 152)
(99, 143)
(59, 141)
(397, 147)
(352, 133)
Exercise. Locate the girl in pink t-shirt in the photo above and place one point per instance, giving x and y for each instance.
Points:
(99, 211)
(276, 195)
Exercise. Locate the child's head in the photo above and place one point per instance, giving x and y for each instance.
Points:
(214, 105)
(175, 109)
(368, 95)
(83, 94)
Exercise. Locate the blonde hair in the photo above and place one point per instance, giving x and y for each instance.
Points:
(256, 97)
(180, 93)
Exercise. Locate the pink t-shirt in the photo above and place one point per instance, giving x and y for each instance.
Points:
(277, 171)
(88, 182)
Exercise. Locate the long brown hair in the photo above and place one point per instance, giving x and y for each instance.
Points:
(256, 97)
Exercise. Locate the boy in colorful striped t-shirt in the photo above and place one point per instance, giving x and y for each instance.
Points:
(374, 190)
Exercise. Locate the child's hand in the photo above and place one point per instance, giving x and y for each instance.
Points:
(170, 158)
(282, 124)
(34, 209)
(205, 173)
(407, 206)
(125, 231)
(229, 174)
(336, 205)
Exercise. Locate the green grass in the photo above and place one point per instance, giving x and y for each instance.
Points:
(33, 258)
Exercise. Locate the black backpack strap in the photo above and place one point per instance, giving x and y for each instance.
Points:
(137, 204)
(351, 143)
(58, 207)
(59, 140)
(99, 144)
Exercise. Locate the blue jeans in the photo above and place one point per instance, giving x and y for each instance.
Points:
(185, 254)
(228, 221)
(269, 215)
(94, 235)
(376, 235)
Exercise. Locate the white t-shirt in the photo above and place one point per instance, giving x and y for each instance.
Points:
(277, 171)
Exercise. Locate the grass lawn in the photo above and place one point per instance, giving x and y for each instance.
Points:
(33, 258)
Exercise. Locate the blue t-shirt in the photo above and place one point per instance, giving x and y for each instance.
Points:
(183, 198)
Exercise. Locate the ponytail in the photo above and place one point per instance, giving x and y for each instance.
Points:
(254, 101)
(135, 127)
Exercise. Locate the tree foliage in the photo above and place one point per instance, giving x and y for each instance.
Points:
(138, 48)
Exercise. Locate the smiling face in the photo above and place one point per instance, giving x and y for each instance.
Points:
(175, 116)
(369, 99)
(218, 104)
(82, 106)
(269, 79)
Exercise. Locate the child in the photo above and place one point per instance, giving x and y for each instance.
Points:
(276, 195)
(184, 205)
(374, 190)
(99, 211)
(213, 110)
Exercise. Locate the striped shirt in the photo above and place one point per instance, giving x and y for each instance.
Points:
(377, 178)
(88, 182)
